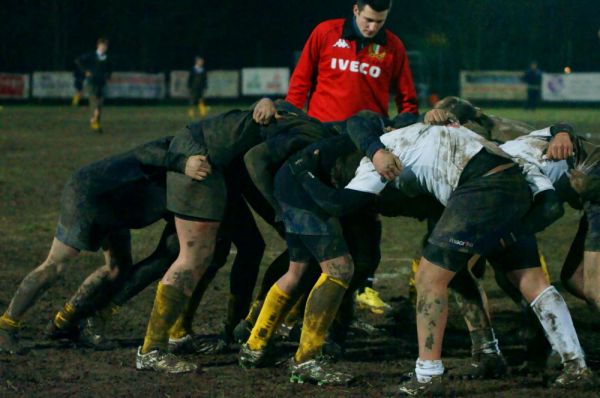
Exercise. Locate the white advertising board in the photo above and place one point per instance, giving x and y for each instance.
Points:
(221, 84)
(265, 81)
(492, 85)
(574, 87)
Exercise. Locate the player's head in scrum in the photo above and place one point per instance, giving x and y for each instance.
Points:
(370, 16)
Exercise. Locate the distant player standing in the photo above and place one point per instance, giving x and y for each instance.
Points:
(197, 86)
(97, 70)
(352, 64)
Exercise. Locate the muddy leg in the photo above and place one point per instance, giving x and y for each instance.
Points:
(40, 279)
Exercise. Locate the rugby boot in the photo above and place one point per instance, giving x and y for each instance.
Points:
(92, 334)
(9, 343)
(191, 344)
(95, 126)
(364, 329)
(53, 332)
(486, 366)
(574, 375)
(162, 361)
(370, 300)
(255, 358)
(411, 386)
(318, 371)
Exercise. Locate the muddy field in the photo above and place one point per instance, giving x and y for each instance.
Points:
(41, 146)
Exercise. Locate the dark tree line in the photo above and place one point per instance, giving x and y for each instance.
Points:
(154, 35)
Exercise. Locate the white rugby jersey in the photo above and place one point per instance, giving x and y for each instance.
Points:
(437, 155)
(529, 151)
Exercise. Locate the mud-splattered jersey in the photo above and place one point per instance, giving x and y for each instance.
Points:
(529, 151)
(437, 155)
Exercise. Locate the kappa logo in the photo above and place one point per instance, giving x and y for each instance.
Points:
(341, 43)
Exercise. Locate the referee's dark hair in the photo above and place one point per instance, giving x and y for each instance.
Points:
(377, 5)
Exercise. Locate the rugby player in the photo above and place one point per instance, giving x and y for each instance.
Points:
(99, 205)
(352, 64)
(336, 170)
(573, 180)
(97, 68)
(199, 206)
(485, 197)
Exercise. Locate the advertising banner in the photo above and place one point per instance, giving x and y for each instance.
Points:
(14, 86)
(135, 85)
(53, 85)
(573, 87)
(492, 85)
(221, 84)
(265, 81)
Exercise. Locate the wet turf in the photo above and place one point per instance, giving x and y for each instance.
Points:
(41, 146)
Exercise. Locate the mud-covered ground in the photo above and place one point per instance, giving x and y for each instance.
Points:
(41, 146)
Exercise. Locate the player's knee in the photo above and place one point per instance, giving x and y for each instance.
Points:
(111, 272)
(342, 269)
(430, 276)
(49, 272)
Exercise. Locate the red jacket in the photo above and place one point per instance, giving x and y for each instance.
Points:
(342, 81)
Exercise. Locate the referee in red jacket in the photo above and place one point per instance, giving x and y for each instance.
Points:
(348, 65)
(352, 64)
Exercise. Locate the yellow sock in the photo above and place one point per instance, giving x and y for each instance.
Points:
(255, 309)
(545, 267)
(168, 304)
(183, 325)
(273, 311)
(9, 324)
(321, 308)
(202, 108)
(62, 319)
(76, 99)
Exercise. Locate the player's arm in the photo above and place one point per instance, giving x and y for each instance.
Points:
(404, 86)
(304, 72)
(185, 155)
(154, 154)
(364, 129)
(337, 202)
(259, 165)
(83, 62)
(561, 145)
